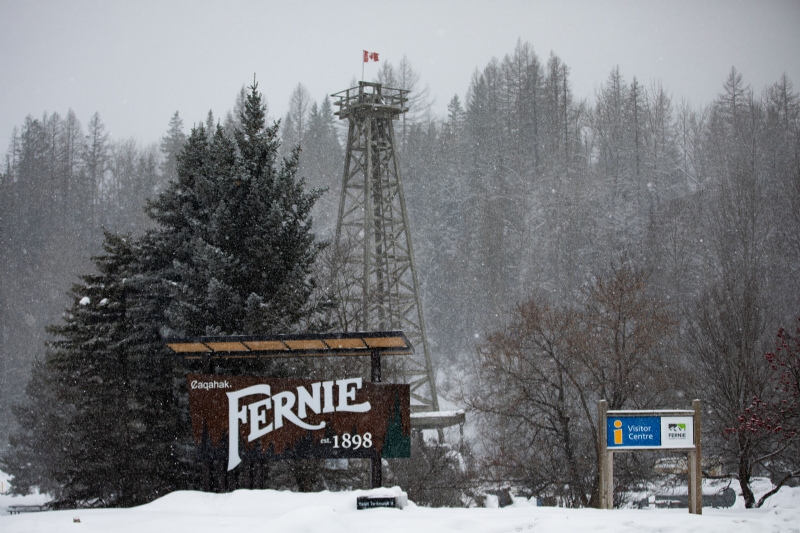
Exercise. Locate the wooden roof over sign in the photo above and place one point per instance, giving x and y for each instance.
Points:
(302, 345)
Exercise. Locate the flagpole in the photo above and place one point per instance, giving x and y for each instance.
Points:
(373, 56)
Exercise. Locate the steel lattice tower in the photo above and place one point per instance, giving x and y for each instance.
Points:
(373, 221)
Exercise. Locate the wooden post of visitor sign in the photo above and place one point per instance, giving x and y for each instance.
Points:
(665, 429)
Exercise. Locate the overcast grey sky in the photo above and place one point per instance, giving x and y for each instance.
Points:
(138, 62)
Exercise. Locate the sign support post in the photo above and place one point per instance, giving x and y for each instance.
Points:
(695, 466)
(376, 474)
(602, 453)
(207, 460)
(609, 488)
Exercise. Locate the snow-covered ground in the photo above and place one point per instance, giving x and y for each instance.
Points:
(335, 512)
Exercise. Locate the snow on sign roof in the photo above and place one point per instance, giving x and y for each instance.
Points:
(307, 344)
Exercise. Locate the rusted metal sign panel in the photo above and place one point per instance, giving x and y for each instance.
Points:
(293, 418)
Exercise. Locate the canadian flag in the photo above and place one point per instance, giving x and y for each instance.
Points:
(370, 56)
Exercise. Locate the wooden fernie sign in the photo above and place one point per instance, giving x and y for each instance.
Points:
(294, 418)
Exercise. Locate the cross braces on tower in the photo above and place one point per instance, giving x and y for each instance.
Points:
(373, 222)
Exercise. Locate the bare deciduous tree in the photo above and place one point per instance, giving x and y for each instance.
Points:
(537, 381)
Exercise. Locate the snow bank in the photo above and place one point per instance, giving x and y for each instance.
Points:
(335, 512)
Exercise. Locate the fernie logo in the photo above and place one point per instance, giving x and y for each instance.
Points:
(321, 399)
(676, 431)
(618, 432)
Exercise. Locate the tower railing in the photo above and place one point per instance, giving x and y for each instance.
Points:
(370, 98)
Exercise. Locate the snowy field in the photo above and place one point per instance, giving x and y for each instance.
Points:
(328, 512)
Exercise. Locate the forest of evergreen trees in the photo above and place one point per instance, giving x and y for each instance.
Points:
(531, 208)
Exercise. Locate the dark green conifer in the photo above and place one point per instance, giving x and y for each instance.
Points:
(235, 243)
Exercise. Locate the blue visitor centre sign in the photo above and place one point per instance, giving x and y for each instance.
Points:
(649, 431)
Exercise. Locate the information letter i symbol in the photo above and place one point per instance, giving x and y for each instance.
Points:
(618, 432)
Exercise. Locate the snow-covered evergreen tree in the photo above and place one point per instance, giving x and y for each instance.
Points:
(234, 248)
(112, 438)
(322, 163)
(171, 145)
(231, 254)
